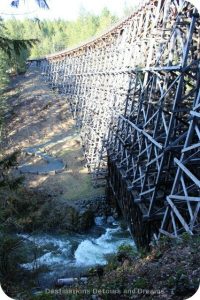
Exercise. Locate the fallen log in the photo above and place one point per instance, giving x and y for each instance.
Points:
(70, 281)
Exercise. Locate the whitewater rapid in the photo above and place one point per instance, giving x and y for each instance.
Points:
(65, 254)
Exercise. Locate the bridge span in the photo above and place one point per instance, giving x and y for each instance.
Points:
(134, 92)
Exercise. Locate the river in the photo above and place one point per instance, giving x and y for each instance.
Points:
(68, 255)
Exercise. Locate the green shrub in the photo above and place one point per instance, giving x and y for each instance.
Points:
(171, 281)
(140, 283)
(128, 249)
(112, 262)
(186, 237)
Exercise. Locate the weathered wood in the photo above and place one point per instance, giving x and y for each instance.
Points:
(70, 281)
(134, 95)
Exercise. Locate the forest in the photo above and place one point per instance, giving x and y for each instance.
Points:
(49, 36)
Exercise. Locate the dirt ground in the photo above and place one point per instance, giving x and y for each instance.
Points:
(36, 115)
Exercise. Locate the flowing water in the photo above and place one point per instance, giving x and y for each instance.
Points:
(68, 255)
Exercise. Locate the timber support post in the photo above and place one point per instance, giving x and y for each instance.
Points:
(134, 93)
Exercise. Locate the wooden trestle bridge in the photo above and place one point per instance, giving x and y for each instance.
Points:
(134, 92)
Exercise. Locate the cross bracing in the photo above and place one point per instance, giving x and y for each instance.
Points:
(134, 95)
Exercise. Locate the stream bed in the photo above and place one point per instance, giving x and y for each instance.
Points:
(71, 255)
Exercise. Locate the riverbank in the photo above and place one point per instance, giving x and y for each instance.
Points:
(171, 271)
(37, 117)
(38, 127)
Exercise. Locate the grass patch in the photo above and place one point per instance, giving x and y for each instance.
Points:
(75, 182)
(80, 187)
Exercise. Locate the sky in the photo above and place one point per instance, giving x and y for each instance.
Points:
(65, 9)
